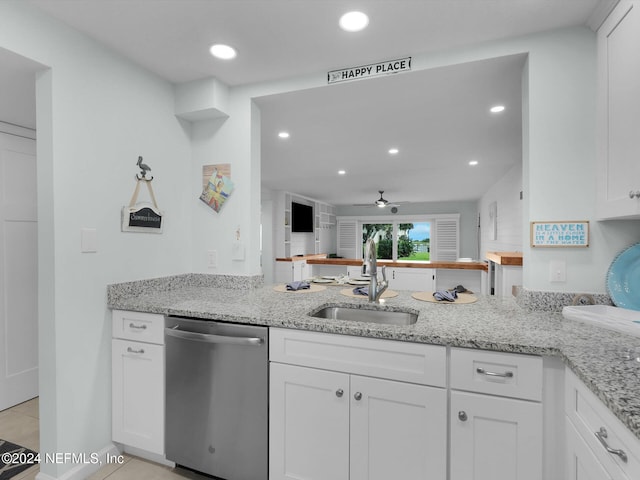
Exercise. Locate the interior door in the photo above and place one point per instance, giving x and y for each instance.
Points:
(18, 271)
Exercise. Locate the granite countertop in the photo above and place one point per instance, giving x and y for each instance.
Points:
(596, 355)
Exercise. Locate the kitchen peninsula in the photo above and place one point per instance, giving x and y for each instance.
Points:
(491, 326)
(404, 275)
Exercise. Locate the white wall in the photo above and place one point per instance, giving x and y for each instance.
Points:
(559, 176)
(506, 194)
(95, 114)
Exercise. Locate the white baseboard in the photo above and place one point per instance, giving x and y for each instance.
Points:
(153, 457)
(81, 471)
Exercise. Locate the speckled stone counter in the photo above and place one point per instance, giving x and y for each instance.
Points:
(596, 355)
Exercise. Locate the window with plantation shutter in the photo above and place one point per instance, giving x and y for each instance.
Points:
(447, 245)
(348, 239)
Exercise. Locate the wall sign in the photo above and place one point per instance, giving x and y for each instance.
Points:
(560, 234)
(142, 216)
(371, 70)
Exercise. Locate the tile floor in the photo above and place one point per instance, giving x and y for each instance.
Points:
(20, 425)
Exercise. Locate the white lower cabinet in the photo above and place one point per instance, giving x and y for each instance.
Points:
(494, 438)
(495, 416)
(582, 464)
(138, 381)
(340, 425)
(308, 423)
(417, 279)
(596, 440)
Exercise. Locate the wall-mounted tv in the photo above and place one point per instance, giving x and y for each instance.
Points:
(301, 217)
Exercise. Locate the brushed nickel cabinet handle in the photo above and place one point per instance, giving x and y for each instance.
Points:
(601, 435)
(139, 352)
(137, 327)
(462, 416)
(339, 393)
(482, 371)
(358, 396)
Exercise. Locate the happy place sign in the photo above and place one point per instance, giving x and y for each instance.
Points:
(372, 70)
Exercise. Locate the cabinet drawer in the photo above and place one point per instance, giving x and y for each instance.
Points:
(404, 361)
(138, 326)
(589, 416)
(495, 373)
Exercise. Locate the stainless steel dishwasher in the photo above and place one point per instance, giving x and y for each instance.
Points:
(217, 398)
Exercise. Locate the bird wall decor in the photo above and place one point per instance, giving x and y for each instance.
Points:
(144, 168)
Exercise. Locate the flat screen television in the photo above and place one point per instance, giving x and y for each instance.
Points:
(301, 217)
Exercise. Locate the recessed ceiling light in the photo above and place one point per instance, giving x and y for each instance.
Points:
(342, 172)
(354, 21)
(283, 134)
(473, 162)
(393, 151)
(497, 109)
(224, 52)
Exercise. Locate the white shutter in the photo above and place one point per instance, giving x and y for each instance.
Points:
(348, 239)
(446, 241)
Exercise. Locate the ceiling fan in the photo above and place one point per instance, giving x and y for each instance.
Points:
(381, 202)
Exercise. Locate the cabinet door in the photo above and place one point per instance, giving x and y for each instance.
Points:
(416, 279)
(138, 395)
(308, 424)
(398, 430)
(495, 438)
(619, 110)
(299, 270)
(582, 462)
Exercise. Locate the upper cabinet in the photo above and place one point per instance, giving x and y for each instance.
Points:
(619, 113)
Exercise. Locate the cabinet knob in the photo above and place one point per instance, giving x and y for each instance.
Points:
(339, 393)
(358, 396)
(635, 194)
(462, 416)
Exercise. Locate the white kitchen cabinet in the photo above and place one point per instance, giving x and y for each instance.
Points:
(605, 441)
(398, 430)
(618, 113)
(495, 416)
(138, 380)
(328, 424)
(495, 438)
(582, 463)
(292, 271)
(417, 279)
(308, 423)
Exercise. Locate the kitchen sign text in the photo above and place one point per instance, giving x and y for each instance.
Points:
(560, 234)
(372, 70)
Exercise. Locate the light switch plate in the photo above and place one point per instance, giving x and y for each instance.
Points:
(88, 240)
(212, 259)
(558, 271)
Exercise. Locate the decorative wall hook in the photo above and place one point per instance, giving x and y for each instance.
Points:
(144, 168)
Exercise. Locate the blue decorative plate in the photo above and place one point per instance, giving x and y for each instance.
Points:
(623, 278)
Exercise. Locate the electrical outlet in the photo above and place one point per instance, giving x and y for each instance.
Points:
(558, 271)
(212, 259)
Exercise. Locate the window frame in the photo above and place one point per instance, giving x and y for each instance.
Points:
(395, 220)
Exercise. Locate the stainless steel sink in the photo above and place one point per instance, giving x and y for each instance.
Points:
(387, 317)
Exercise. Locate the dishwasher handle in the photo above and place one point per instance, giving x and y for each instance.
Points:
(208, 338)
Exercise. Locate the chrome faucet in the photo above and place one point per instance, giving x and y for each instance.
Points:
(376, 289)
